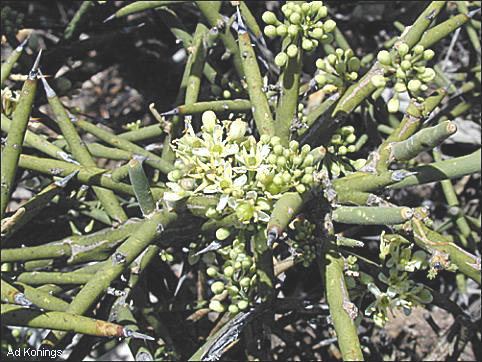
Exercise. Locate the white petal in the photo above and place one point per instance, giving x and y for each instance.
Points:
(223, 201)
(171, 196)
(240, 181)
(232, 203)
(251, 195)
(175, 187)
(201, 152)
(263, 216)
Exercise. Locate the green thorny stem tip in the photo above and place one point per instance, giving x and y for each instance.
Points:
(12, 58)
(141, 187)
(13, 146)
(62, 321)
(81, 153)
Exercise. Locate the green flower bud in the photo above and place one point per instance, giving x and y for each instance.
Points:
(428, 75)
(282, 30)
(307, 44)
(350, 138)
(300, 188)
(305, 149)
(307, 179)
(273, 189)
(278, 150)
(393, 105)
(217, 287)
(173, 176)
(246, 263)
(317, 33)
(286, 177)
(322, 12)
(269, 18)
(272, 159)
(281, 59)
(265, 138)
(378, 81)
(297, 160)
(228, 271)
(354, 64)
(428, 54)
(293, 145)
(237, 130)
(406, 65)
(403, 49)
(293, 30)
(295, 18)
(320, 79)
(351, 148)
(400, 74)
(233, 309)
(216, 306)
(270, 31)
(281, 161)
(245, 212)
(309, 169)
(327, 38)
(243, 304)
(209, 120)
(275, 140)
(384, 57)
(222, 233)
(418, 49)
(226, 94)
(359, 163)
(329, 26)
(336, 139)
(292, 50)
(308, 161)
(287, 153)
(244, 282)
(400, 87)
(320, 64)
(342, 150)
(278, 180)
(414, 85)
(212, 272)
(347, 130)
(287, 9)
(352, 76)
(332, 59)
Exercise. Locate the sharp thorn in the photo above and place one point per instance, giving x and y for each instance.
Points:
(21, 299)
(48, 90)
(241, 26)
(109, 18)
(172, 112)
(473, 12)
(64, 181)
(23, 43)
(128, 333)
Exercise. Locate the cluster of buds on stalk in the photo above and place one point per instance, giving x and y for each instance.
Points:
(302, 241)
(341, 144)
(337, 69)
(407, 71)
(303, 26)
(234, 281)
(9, 101)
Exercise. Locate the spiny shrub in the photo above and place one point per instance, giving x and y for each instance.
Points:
(311, 157)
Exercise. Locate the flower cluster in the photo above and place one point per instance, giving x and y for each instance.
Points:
(401, 292)
(336, 69)
(342, 143)
(302, 241)
(408, 72)
(246, 174)
(303, 26)
(235, 280)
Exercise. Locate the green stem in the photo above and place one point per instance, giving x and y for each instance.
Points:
(260, 107)
(151, 159)
(432, 241)
(288, 100)
(423, 140)
(9, 63)
(365, 215)
(138, 6)
(13, 315)
(342, 310)
(79, 15)
(13, 146)
(210, 10)
(125, 254)
(86, 175)
(59, 278)
(440, 31)
(141, 187)
(79, 150)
